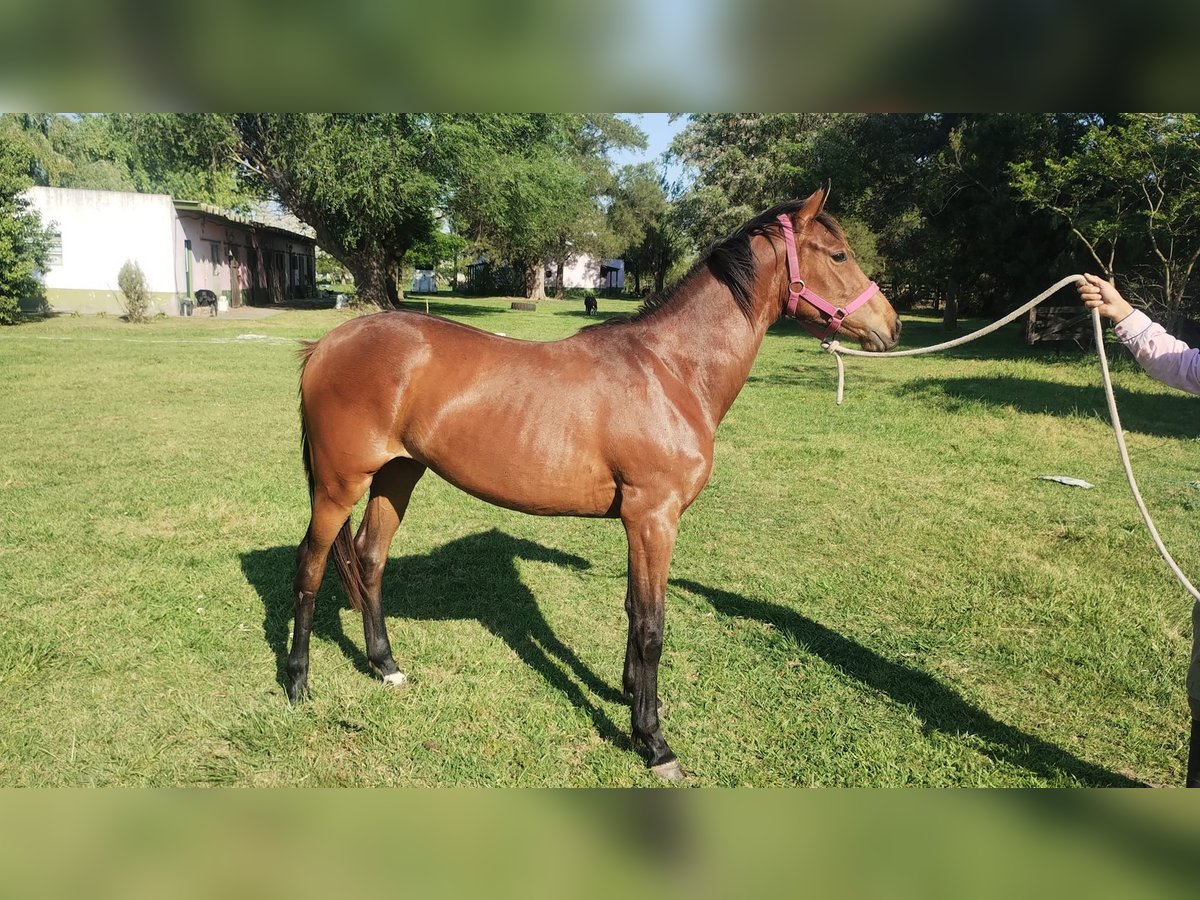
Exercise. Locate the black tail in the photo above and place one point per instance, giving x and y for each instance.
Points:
(349, 567)
(345, 557)
(306, 352)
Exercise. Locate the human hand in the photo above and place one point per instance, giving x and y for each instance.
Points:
(1096, 293)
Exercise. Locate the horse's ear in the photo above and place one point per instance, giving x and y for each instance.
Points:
(812, 206)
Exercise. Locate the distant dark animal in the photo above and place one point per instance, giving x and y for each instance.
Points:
(537, 427)
(589, 304)
(205, 297)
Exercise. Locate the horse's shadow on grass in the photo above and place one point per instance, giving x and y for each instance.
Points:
(939, 707)
(1161, 415)
(473, 577)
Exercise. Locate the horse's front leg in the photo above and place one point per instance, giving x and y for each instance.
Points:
(651, 537)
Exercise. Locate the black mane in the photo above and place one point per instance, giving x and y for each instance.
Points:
(731, 261)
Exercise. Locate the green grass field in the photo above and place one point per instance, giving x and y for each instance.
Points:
(877, 594)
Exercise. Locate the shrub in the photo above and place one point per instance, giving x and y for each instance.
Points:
(137, 295)
(10, 311)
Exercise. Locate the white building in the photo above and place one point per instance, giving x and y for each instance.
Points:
(589, 273)
(582, 271)
(181, 246)
(424, 281)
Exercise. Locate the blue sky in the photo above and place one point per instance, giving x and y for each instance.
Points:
(659, 132)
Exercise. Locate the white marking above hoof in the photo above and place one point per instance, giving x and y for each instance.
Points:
(396, 680)
(668, 771)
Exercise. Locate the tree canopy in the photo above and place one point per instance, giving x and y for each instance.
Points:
(1129, 191)
(644, 222)
(520, 187)
(24, 244)
(974, 209)
(934, 194)
(531, 188)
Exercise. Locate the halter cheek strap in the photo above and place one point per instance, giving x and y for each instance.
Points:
(797, 291)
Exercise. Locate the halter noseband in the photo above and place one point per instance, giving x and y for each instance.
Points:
(836, 313)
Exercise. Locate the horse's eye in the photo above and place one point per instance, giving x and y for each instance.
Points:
(840, 256)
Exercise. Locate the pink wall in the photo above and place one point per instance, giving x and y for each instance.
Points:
(206, 231)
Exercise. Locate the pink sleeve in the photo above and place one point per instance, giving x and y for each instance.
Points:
(1163, 357)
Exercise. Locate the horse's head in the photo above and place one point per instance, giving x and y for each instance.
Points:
(827, 292)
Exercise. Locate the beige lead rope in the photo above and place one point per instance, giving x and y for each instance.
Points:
(838, 351)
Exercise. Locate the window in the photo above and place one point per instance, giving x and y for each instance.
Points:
(55, 257)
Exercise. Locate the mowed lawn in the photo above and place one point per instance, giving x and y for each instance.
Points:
(878, 594)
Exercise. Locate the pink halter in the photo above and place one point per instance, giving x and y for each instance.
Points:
(836, 313)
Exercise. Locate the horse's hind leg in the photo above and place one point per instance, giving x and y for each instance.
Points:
(327, 520)
(390, 492)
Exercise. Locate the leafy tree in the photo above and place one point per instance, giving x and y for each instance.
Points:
(367, 184)
(33, 134)
(638, 201)
(750, 161)
(1129, 191)
(329, 268)
(24, 243)
(643, 219)
(439, 252)
(529, 188)
(528, 204)
(116, 152)
(190, 157)
(746, 162)
(926, 198)
(965, 231)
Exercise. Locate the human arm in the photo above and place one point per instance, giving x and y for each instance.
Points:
(1164, 358)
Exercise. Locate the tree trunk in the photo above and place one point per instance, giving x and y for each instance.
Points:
(950, 314)
(661, 263)
(535, 281)
(374, 280)
(559, 290)
(372, 271)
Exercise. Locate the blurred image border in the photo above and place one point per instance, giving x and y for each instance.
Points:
(533, 843)
(708, 55)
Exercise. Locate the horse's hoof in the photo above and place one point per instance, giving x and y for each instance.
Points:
(297, 695)
(668, 771)
(396, 681)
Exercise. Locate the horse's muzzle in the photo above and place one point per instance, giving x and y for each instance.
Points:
(876, 341)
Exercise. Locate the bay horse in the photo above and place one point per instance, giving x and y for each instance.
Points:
(538, 426)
